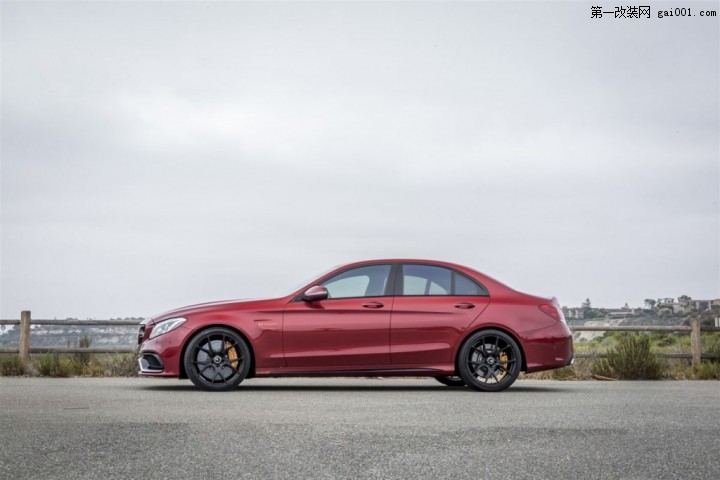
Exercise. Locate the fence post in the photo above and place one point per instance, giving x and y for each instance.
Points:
(695, 345)
(25, 336)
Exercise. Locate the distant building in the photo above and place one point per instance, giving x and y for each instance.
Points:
(683, 305)
(687, 304)
(573, 313)
(623, 312)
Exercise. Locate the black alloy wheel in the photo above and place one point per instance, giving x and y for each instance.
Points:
(217, 359)
(489, 361)
(451, 381)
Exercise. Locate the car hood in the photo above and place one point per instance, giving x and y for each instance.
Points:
(246, 304)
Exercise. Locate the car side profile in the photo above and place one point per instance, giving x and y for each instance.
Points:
(398, 317)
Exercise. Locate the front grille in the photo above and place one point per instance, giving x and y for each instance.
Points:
(141, 334)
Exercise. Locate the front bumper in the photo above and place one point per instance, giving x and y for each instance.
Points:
(161, 356)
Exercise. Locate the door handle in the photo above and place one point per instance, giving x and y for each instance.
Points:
(373, 305)
(464, 305)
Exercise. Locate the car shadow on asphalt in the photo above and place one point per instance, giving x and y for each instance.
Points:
(248, 387)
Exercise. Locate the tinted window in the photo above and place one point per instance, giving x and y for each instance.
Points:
(426, 280)
(465, 286)
(369, 281)
(433, 280)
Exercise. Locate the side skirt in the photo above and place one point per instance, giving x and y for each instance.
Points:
(370, 372)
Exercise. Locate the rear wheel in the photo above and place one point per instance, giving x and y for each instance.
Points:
(451, 381)
(217, 359)
(490, 361)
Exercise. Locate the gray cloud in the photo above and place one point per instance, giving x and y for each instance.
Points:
(156, 154)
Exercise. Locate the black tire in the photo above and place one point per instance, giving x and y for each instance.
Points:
(451, 381)
(489, 361)
(217, 359)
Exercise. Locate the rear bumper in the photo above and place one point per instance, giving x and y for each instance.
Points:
(548, 348)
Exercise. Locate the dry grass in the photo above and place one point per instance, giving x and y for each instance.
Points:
(71, 365)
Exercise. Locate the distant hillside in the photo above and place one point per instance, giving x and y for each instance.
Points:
(69, 336)
(642, 320)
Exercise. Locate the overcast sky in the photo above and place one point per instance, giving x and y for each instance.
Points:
(158, 154)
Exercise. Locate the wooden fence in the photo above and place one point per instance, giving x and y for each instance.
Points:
(694, 329)
(24, 349)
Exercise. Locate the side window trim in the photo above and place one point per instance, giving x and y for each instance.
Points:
(399, 281)
(394, 284)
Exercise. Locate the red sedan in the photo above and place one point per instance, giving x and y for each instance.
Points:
(372, 318)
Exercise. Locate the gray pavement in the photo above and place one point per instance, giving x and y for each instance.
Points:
(357, 428)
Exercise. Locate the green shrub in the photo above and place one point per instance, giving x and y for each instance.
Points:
(51, 365)
(679, 369)
(665, 340)
(121, 365)
(12, 366)
(82, 358)
(709, 371)
(631, 359)
(602, 367)
(714, 349)
(110, 365)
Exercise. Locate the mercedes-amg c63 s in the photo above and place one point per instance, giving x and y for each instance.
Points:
(371, 318)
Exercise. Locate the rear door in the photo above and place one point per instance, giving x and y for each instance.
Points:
(433, 306)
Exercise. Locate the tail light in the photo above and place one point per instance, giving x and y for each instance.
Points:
(552, 311)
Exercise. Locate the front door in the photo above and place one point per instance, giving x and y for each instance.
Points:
(349, 328)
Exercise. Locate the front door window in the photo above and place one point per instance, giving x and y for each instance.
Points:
(368, 281)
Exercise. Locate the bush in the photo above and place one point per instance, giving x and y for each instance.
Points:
(12, 366)
(82, 358)
(631, 359)
(709, 371)
(121, 365)
(51, 365)
(665, 340)
(714, 349)
(110, 365)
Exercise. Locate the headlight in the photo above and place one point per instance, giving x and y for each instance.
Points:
(167, 325)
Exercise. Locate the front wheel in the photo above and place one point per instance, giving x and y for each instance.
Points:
(217, 359)
(489, 361)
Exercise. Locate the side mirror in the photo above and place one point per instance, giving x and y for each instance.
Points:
(315, 293)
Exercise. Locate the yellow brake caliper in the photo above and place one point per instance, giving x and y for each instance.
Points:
(503, 360)
(232, 354)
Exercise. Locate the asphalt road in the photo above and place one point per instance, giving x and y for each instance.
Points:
(357, 428)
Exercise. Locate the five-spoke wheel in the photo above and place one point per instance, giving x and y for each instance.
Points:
(489, 360)
(217, 359)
